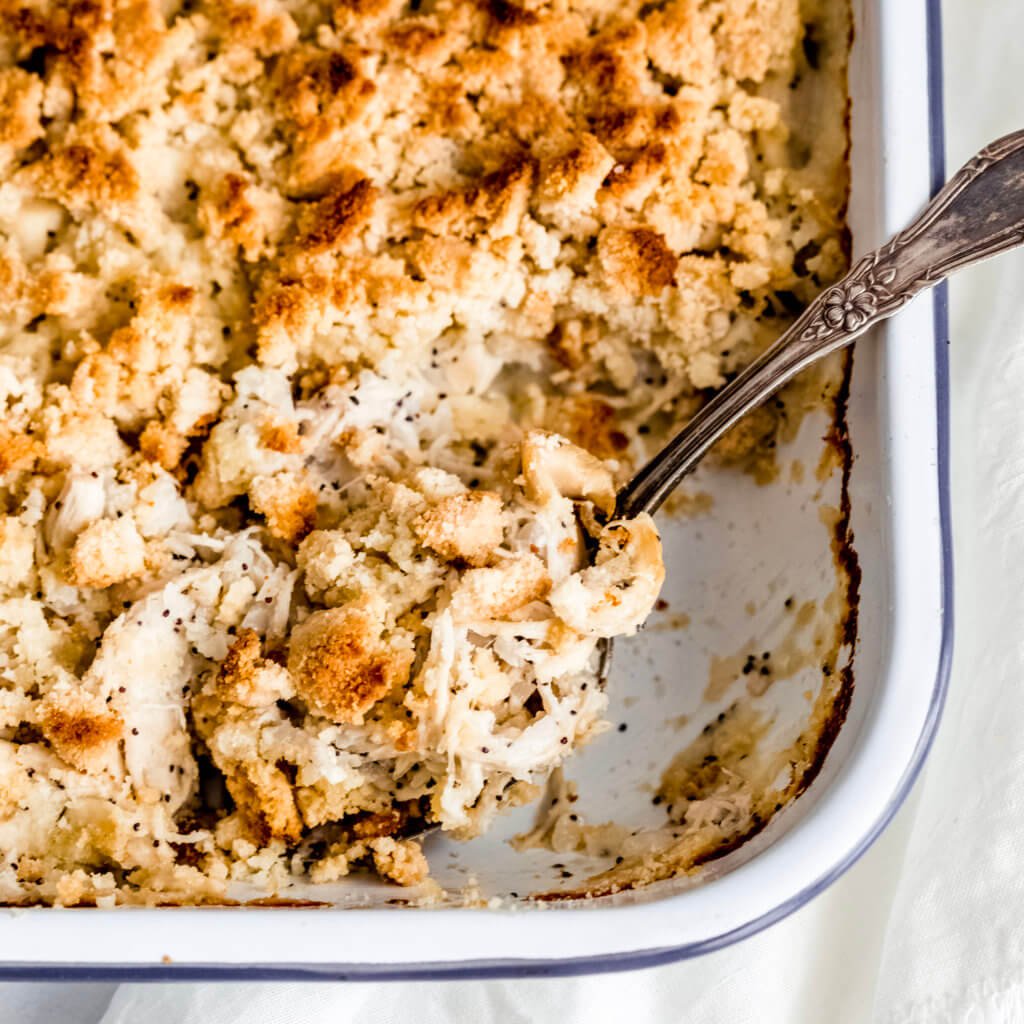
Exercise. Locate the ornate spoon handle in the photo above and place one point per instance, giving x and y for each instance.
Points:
(979, 213)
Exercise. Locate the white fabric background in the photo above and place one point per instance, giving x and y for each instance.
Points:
(929, 926)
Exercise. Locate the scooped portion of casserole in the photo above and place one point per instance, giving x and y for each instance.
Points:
(327, 332)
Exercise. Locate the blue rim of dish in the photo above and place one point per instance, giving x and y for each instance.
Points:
(608, 963)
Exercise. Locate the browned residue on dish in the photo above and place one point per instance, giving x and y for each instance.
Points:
(696, 773)
(668, 622)
(832, 704)
(280, 901)
(722, 673)
(685, 503)
(807, 643)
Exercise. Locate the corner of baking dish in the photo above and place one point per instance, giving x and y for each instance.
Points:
(899, 49)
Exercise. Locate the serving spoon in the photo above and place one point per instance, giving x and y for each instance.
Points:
(977, 214)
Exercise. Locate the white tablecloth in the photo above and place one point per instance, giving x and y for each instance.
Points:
(929, 926)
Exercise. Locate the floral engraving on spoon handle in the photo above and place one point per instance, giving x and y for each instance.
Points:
(979, 213)
(847, 308)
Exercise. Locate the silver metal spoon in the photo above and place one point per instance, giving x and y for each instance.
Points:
(979, 213)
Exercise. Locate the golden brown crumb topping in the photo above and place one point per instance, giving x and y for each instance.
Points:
(319, 325)
(79, 733)
(636, 260)
(265, 801)
(342, 664)
(463, 526)
(107, 552)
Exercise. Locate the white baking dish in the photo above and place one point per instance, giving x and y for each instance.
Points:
(759, 542)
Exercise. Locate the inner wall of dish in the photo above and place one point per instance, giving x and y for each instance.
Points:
(731, 570)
